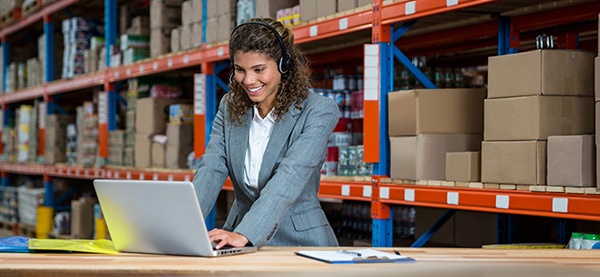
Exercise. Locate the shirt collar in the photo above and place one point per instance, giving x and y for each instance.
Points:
(270, 116)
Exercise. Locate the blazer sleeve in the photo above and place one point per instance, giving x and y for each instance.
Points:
(292, 175)
(212, 172)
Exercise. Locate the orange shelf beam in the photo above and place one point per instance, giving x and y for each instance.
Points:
(360, 191)
(410, 10)
(34, 17)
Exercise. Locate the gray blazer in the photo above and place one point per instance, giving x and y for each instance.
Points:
(285, 209)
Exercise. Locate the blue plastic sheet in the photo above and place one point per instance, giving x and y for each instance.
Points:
(14, 245)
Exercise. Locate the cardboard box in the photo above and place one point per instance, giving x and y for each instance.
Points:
(197, 6)
(142, 151)
(82, 218)
(151, 115)
(186, 13)
(513, 162)
(423, 157)
(571, 161)
(160, 41)
(344, 5)
(176, 156)
(268, 8)
(537, 117)
(158, 155)
(129, 156)
(597, 77)
(180, 134)
(165, 13)
(425, 217)
(212, 8)
(116, 138)
(541, 72)
(197, 34)
(175, 40)
(225, 25)
(211, 30)
(597, 110)
(361, 3)
(185, 37)
(308, 10)
(436, 111)
(325, 8)
(463, 166)
(227, 7)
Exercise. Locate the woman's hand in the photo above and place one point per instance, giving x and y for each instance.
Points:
(223, 238)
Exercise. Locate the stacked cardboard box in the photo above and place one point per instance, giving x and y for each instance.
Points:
(116, 147)
(425, 124)
(189, 34)
(180, 135)
(32, 155)
(34, 73)
(220, 21)
(24, 118)
(533, 95)
(78, 33)
(134, 20)
(165, 15)
(312, 9)
(88, 149)
(269, 8)
(9, 144)
(55, 141)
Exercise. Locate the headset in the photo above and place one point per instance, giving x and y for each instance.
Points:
(285, 62)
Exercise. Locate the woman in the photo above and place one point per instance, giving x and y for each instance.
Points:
(270, 137)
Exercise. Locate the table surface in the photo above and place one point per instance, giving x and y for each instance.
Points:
(283, 260)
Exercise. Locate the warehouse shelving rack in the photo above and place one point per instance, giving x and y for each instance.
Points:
(503, 34)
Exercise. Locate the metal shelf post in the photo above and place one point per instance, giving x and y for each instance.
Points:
(4, 181)
(49, 48)
(5, 61)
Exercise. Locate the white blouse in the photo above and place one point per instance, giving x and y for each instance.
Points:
(260, 133)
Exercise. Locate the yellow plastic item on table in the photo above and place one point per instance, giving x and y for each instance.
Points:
(100, 246)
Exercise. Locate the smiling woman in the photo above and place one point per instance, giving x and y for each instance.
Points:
(270, 137)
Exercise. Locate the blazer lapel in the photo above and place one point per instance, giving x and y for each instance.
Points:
(281, 131)
(238, 145)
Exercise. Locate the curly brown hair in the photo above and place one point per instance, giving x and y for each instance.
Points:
(294, 84)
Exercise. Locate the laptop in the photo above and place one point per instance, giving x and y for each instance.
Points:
(159, 217)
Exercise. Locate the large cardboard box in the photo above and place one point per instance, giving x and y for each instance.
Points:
(436, 111)
(597, 123)
(344, 5)
(225, 25)
(211, 29)
(151, 115)
(463, 166)
(514, 162)
(361, 3)
(212, 7)
(571, 161)
(197, 14)
(423, 157)
(158, 155)
(176, 156)
(597, 77)
(227, 7)
(186, 12)
(142, 151)
(82, 218)
(175, 40)
(165, 13)
(308, 10)
(197, 34)
(325, 8)
(268, 8)
(185, 37)
(537, 117)
(541, 72)
(160, 41)
(180, 134)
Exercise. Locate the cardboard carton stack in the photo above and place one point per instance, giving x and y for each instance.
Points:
(34, 73)
(24, 118)
(220, 21)
(9, 144)
(134, 20)
(189, 34)
(78, 33)
(58, 55)
(269, 8)
(21, 76)
(55, 137)
(82, 218)
(180, 135)
(88, 149)
(426, 124)
(289, 16)
(313, 9)
(11, 78)
(532, 96)
(165, 15)
(116, 147)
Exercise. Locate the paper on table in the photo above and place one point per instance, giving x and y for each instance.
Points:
(366, 255)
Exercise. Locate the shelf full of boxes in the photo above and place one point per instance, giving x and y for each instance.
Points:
(215, 51)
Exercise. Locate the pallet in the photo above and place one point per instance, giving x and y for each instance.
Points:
(10, 16)
(346, 178)
(496, 186)
(30, 8)
(26, 231)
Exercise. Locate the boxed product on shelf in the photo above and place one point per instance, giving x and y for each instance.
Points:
(344, 5)
(423, 157)
(160, 40)
(596, 77)
(33, 133)
(130, 120)
(269, 8)
(175, 40)
(115, 156)
(129, 138)
(116, 138)
(308, 10)
(211, 29)
(88, 152)
(71, 144)
(24, 135)
(181, 114)
(140, 25)
(197, 34)
(325, 8)
(226, 23)
(129, 156)
(9, 144)
(571, 161)
(245, 11)
(537, 117)
(150, 114)
(165, 13)
(142, 150)
(176, 156)
(55, 137)
(437, 111)
(82, 218)
(187, 11)
(78, 33)
(198, 10)
(127, 14)
(134, 41)
(185, 37)
(10, 5)
(226, 7)
(34, 74)
(28, 200)
(541, 72)
(463, 166)
(158, 155)
(180, 134)
(514, 162)
(330, 166)
(133, 55)
(21, 75)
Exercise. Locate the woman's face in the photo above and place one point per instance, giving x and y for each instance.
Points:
(259, 76)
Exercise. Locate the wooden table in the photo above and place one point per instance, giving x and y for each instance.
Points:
(282, 260)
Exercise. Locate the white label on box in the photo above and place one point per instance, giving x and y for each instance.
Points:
(199, 94)
(450, 3)
(103, 107)
(128, 72)
(502, 201)
(345, 190)
(42, 116)
(186, 59)
(155, 177)
(367, 191)
(116, 174)
(560, 205)
(220, 51)
(141, 176)
(410, 8)
(343, 23)
(170, 62)
(409, 195)
(170, 177)
(128, 175)
(452, 198)
(155, 65)
(314, 31)
(141, 69)
(187, 178)
(384, 193)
